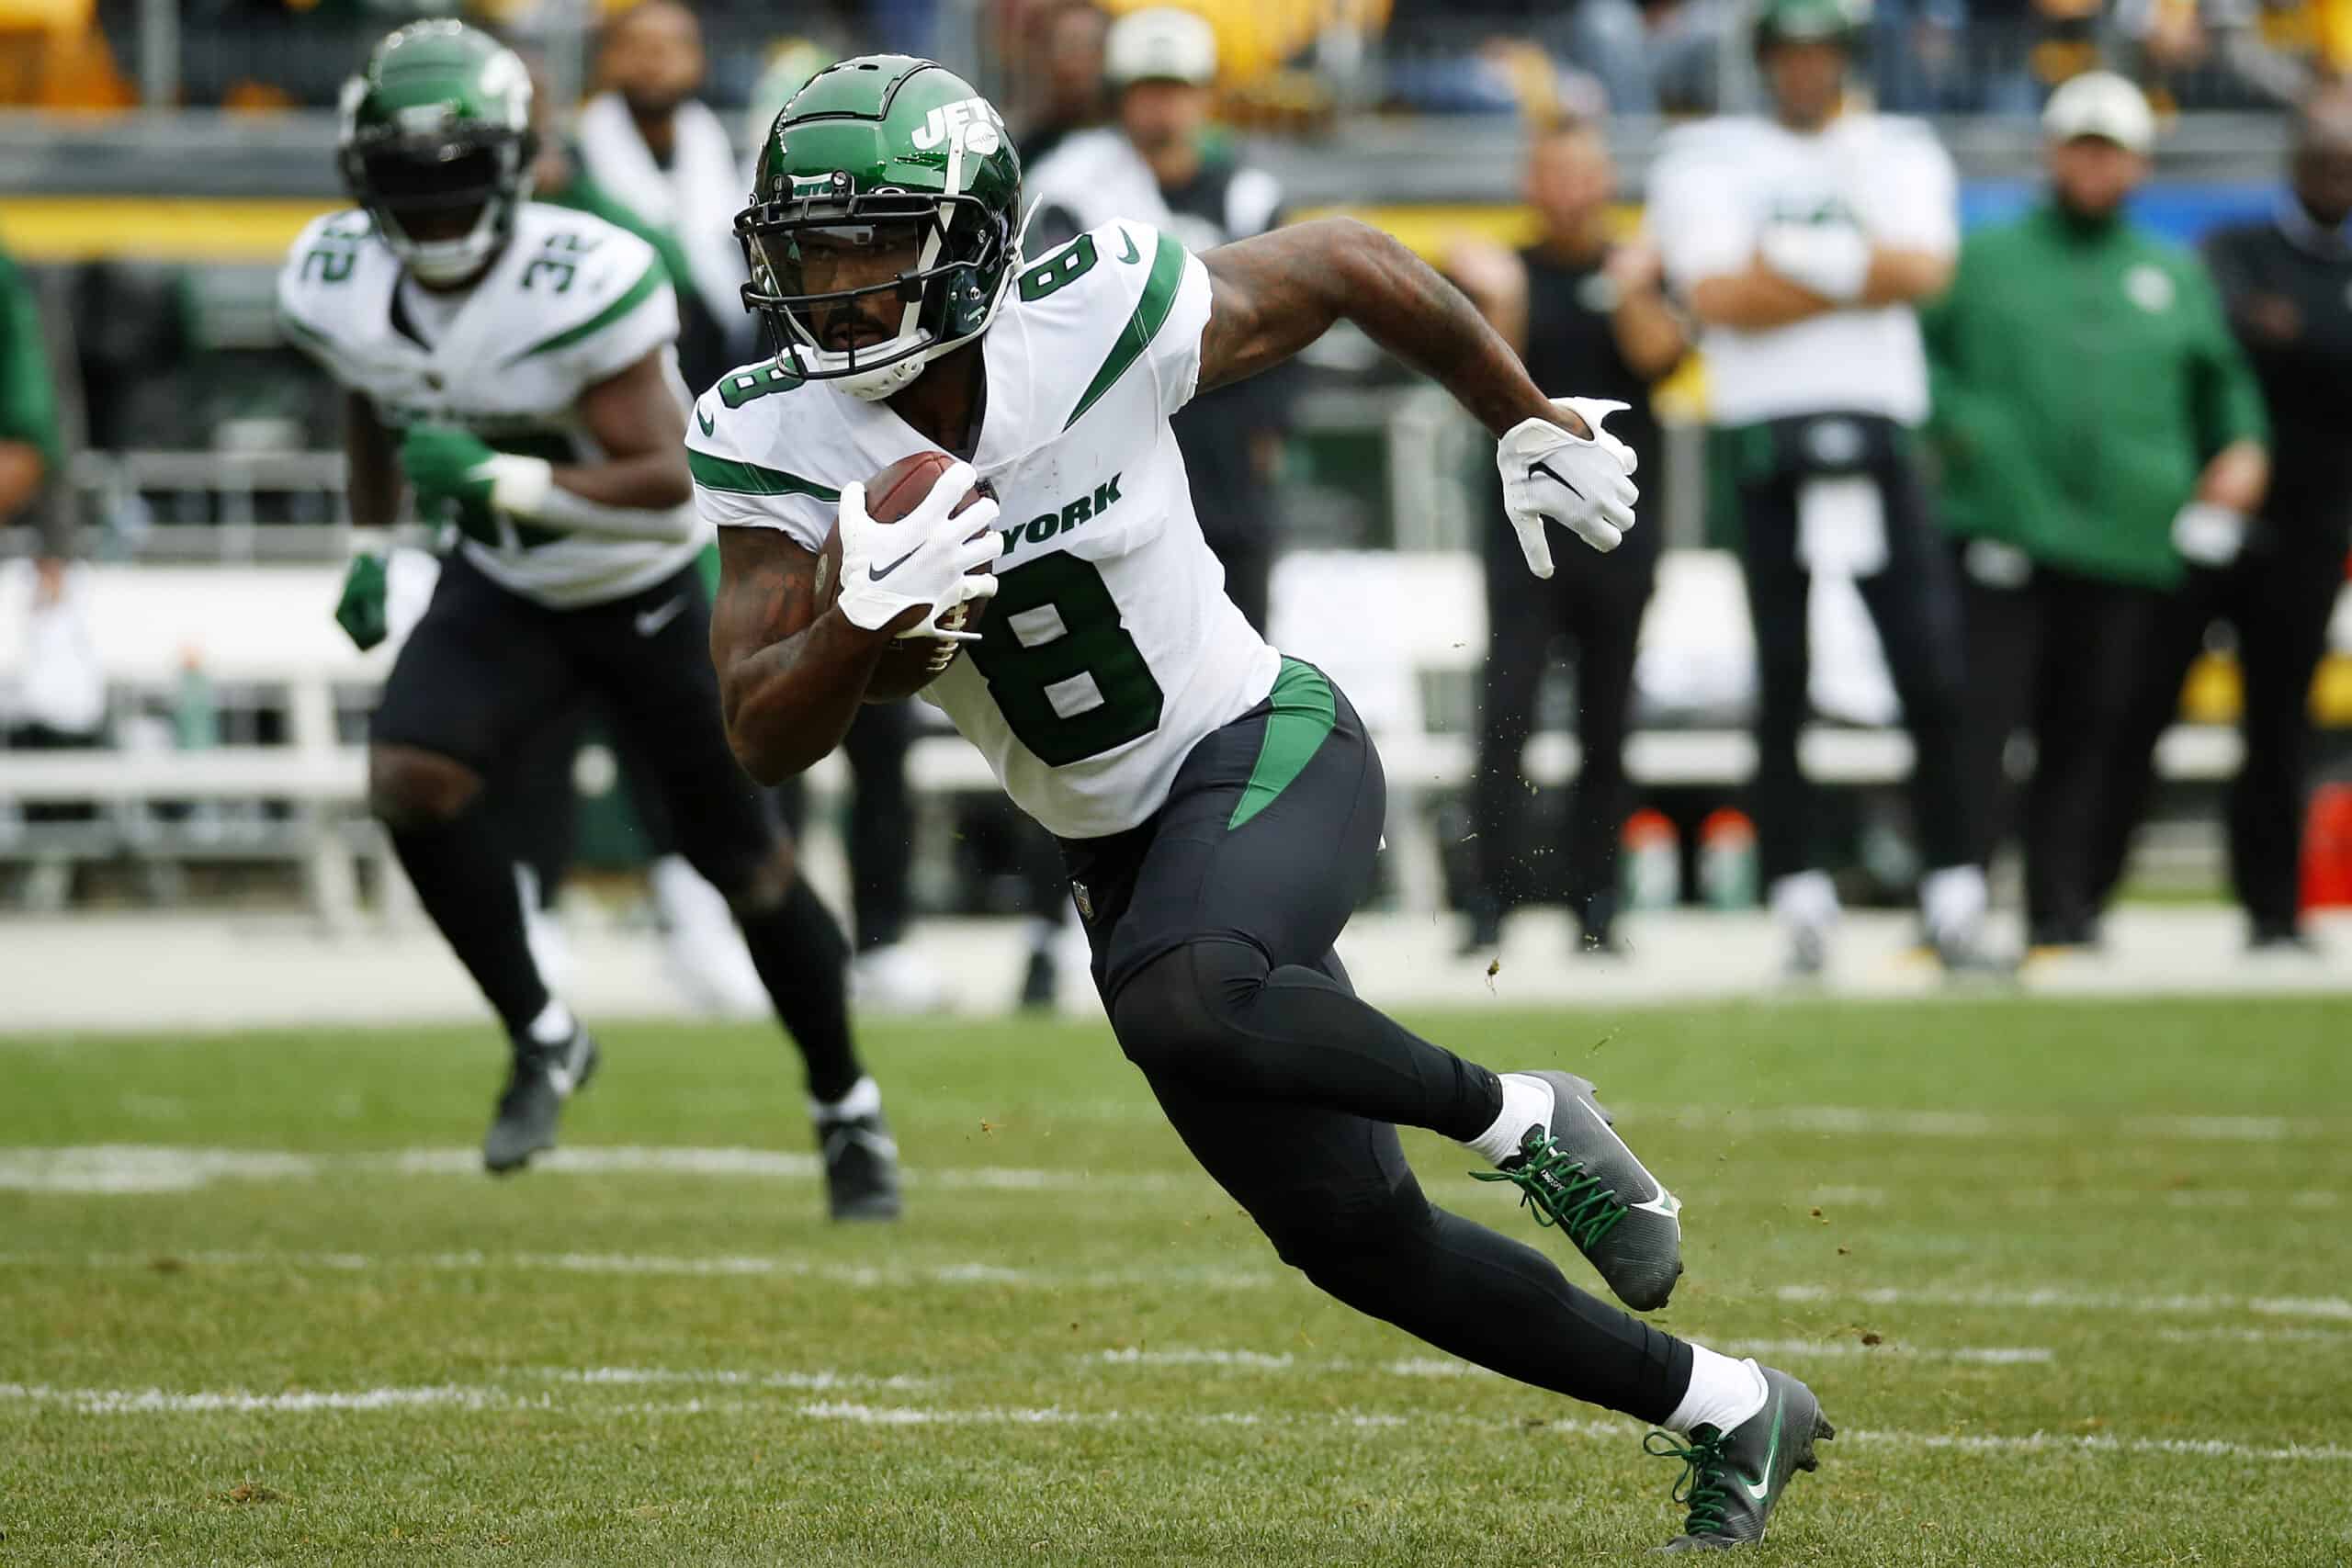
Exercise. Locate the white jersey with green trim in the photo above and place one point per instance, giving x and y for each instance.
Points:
(1111, 648)
(573, 301)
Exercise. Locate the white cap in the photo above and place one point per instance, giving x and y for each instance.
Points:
(2101, 104)
(1163, 44)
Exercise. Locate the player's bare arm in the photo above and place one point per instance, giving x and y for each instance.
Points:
(790, 677)
(372, 465)
(1273, 294)
(636, 421)
(1761, 299)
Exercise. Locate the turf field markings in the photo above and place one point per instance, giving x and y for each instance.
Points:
(1448, 1367)
(2253, 1336)
(2065, 1299)
(2081, 1197)
(306, 1401)
(819, 1381)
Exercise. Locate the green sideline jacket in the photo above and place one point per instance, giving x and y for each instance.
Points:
(2081, 380)
(28, 400)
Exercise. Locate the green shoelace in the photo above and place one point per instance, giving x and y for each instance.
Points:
(1556, 1186)
(1700, 1488)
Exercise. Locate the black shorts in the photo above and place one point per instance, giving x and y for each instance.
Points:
(1270, 837)
(487, 671)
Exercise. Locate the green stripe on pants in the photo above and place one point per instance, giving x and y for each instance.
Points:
(1304, 712)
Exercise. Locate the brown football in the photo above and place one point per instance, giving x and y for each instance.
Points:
(908, 665)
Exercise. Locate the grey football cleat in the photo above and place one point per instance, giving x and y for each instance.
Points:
(542, 1079)
(861, 1166)
(1577, 1174)
(1731, 1481)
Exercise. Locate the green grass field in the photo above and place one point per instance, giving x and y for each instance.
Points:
(2071, 1278)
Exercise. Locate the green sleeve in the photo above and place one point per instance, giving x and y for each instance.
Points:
(28, 400)
(1988, 463)
(2229, 400)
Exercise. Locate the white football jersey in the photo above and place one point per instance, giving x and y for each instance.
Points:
(1715, 186)
(1110, 649)
(573, 301)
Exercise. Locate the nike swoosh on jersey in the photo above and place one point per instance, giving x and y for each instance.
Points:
(878, 572)
(653, 620)
(1128, 242)
(1549, 472)
(709, 426)
(1761, 1492)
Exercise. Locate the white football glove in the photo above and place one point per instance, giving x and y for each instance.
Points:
(927, 560)
(1584, 486)
(1831, 259)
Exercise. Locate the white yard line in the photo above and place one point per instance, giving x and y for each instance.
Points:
(2059, 1298)
(159, 1401)
(1271, 1361)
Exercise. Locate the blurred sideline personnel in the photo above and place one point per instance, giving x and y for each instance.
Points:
(29, 449)
(2286, 288)
(1063, 72)
(1157, 166)
(512, 363)
(1219, 806)
(1802, 242)
(1580, 312)
(650, 145)
(2097, 424)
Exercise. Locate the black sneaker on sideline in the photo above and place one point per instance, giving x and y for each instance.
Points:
(861, 1168)
(1731, 1481)
(1041, 982)
(541, 1078)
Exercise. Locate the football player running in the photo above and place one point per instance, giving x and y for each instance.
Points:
(1219, 806)
(511, 365)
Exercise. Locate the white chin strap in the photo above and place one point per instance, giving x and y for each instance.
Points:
(448, 261)
(873, 386)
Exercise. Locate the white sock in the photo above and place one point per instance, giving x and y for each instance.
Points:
(1952, 901)
(863, 1098)
(1807, 898)
(554, 1025)
(1527, 1102)
(1723, 1392)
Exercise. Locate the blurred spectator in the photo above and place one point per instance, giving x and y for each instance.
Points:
(2097, 424)
(1470, 55)
(1159, 166)
(1802, 242)
(60, 703)
(2293, 45)
(655, 149)
(1589, 318)
(2286, 287)
(1062, 78)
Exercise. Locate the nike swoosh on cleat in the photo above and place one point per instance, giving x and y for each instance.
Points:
(1772, 1450)
(1549, 472)
(878, 572)
(841, 1138)
(1662, 1202)
(651, 621)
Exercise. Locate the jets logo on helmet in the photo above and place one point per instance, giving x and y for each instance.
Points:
(883, 229)
(436, 145)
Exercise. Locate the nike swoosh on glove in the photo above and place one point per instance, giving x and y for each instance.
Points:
(1584, 485)
(926, 560)
(453, 473)
(364, 611)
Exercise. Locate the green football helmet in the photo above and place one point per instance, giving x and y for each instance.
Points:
(1841, 22)
(880, 155)
(436, 144)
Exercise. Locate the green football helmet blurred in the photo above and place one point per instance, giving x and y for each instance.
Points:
(884, 227)
(436, 144)
(1841, 22)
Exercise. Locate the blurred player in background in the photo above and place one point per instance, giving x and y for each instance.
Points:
(1219, 806)
(511, 365)
(2286, 285)
(1802, 242)
(1581, 312)
(2098, 429)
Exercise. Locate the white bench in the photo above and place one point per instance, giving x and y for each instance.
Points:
(1382, 623)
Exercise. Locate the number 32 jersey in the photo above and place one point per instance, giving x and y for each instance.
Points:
(1111, 648)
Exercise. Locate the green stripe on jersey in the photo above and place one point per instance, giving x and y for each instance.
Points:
(1151, 314)
(749, 478)
(1304, 711)
(655, 276)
